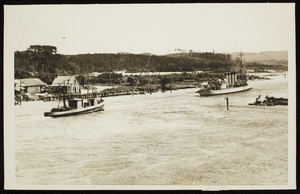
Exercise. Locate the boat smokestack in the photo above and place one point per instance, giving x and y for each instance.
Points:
(235, 77)
(227, 78)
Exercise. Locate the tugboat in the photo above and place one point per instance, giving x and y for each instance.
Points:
(76, 106)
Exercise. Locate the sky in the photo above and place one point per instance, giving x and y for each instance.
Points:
(153, 28)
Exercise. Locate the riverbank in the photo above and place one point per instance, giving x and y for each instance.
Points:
(156, 83)
(176, 138)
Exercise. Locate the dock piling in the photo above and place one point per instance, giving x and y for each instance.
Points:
(227, 102)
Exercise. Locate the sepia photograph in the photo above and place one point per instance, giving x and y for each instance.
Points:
(150, 96)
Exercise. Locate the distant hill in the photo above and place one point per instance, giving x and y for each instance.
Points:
(263, 57)
(148, 54)
(46, 64)
(206, 57)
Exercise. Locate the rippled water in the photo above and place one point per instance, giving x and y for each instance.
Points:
(176, 138)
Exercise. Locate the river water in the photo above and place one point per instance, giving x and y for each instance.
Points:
(171, 138)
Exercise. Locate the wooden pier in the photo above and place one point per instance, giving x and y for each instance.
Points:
(91, 94)
(101, 94)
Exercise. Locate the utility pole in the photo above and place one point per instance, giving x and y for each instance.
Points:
(20, 92)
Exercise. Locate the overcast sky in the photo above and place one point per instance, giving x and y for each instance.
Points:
(158, 29)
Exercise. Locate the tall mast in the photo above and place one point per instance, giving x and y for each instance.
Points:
(241, 65)
(148, 73)
(109, 74)
(88, 84)
(64, 97)
(241, 59)
(140, 68)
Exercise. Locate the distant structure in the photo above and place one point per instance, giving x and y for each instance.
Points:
(94, 74)
(121, 72)
(70, 84)
(181, 51)
(29, 85)
(42, 48)
(123, 53)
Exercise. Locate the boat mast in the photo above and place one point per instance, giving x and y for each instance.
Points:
(88, 84)
(140, 68)
(241, 59)
(241, 62)
(148, 73)
(64, 97)
(241, 66)
(109, 75)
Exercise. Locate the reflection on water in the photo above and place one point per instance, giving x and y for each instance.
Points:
(163, 138)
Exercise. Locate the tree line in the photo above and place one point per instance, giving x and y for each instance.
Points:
(46, 64)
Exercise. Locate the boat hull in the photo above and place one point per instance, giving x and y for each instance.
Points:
(224, 91)
(86, 110)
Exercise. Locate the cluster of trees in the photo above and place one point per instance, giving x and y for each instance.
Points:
(261, 67)
(104, 78)
(43, 65)
(43, 62)
(205, 57)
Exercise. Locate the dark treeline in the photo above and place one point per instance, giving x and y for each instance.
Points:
(44, 63)
(205, 57)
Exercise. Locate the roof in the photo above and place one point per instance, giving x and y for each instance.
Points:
(61, 80)
(16, 81)
(32, 82)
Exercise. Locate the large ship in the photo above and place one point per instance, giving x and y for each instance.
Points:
(231, 83)
(226, 86)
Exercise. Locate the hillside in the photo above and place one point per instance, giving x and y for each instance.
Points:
(203, 57)
(267, 57)
(46, 65)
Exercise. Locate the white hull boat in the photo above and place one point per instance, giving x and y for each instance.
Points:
(224, 91)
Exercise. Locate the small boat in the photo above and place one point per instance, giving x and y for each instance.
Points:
(269, 101)
(77, 106)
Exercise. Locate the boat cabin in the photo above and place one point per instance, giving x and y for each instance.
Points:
(75, 103)
(82, 103)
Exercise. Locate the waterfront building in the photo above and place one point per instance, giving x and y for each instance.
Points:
(29, 85)
(70, 84)
(42, 48)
